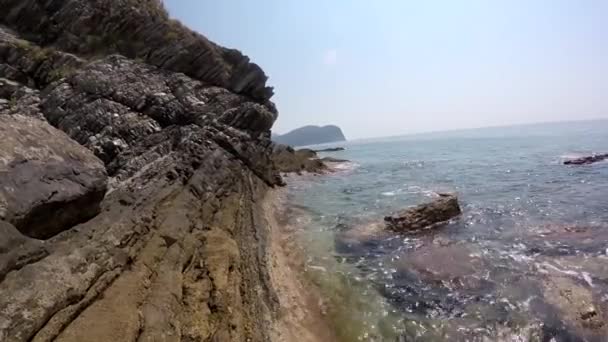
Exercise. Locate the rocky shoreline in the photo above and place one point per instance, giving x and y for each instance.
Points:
(133, 189)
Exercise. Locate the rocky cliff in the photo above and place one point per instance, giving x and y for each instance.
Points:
(134, 158)
(311, 135)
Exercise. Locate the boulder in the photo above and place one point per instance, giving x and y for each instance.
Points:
(425, 215)
(48, 182)
(587, 160)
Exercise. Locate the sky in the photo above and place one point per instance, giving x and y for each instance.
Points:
(390, 67)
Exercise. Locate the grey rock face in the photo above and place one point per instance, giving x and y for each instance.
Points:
(425, 215)
(17, 250)
(176, 249)
(135, 29)
(49, 182)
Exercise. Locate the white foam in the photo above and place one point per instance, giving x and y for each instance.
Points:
(572, 156)
(583, 275)
(587, 278)
(318, 268)
(344, 166)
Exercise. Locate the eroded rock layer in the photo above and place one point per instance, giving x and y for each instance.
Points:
(151, 160)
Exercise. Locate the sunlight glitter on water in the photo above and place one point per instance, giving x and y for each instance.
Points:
(531, 230)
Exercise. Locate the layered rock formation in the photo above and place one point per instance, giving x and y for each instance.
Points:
(288, 159)
(425, 215)
(132, 184)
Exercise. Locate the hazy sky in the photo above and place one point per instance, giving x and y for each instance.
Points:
(378, 68)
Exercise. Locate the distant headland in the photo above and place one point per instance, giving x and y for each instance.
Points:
(311, 135)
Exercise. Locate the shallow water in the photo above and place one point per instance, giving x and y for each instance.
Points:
(526, 261)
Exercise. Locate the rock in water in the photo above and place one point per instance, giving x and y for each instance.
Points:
(587, 160)
(286, 159)
(331, 149)
(425, 215)
(49, 182)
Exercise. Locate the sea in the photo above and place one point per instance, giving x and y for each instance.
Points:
(526, 261)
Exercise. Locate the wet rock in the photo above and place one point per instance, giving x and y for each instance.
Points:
(354, 239)
(577, 305)
(562, 240)
(332, 149)
(288, 160)
(454, 264)
(333, 160)
(587, 160)
(49, 182)
(426, 215)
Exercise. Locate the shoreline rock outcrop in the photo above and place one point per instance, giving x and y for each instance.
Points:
(289, 160)
(161, 140)
(331, 149)
(137, 30)
(587, 160)
(425, 216)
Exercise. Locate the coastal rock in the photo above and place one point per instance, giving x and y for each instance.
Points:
(135, 29)
(17, 250)
(587, 160)
(577, 305)
(332, 149)
(288, 160)
(333, 160)
(426, 215)
(49, 182)
(177, 247)
(454, 264)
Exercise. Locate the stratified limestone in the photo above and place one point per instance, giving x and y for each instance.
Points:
(425, 215)
(179, 128)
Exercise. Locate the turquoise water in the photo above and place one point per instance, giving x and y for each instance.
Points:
(526, 261)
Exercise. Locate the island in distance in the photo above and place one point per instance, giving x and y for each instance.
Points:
(310, 135)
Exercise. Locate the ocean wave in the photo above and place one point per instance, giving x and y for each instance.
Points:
(345, 166)
(413, 190)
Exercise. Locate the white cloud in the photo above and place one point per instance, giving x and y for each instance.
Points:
(330, 57)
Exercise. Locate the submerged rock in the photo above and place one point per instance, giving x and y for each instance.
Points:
(332, 149)
(49, 182)
(576, 304)
(587, 160)
(425, 215)
(333, 160)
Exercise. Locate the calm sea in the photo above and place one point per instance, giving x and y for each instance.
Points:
(526, 261)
